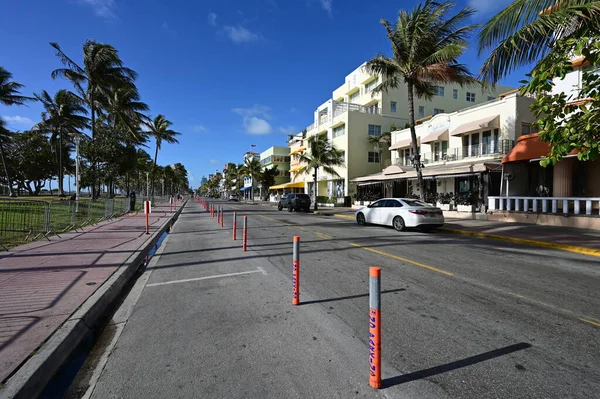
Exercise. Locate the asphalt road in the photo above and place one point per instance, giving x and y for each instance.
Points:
(462, 317)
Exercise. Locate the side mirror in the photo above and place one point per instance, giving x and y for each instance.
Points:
(369, 206)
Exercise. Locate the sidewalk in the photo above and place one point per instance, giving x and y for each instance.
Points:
(44, 282)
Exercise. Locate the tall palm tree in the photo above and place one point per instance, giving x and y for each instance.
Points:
(231, 173)
(253, 168)
(322, 154)
(527, 30)
(159, 128)
(426, 44)
(5, 137)
(124, 110)
(63, 114)
(9, 95)
(102, 70)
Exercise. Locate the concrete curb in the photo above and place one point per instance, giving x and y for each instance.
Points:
(544, 244)
(32, 377)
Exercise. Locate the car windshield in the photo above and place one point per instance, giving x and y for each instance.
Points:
(410, 202)
(303, 196)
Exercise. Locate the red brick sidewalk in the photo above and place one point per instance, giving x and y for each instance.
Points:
(44, 282)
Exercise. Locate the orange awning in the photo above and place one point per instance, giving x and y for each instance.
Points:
(528, 146)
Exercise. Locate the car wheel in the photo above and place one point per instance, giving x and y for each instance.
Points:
(399, 223)
(360, 219)
(290, 208)
(279, 207)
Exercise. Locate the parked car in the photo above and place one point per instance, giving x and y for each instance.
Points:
(401, 213)
(233, 197)
(295, 202)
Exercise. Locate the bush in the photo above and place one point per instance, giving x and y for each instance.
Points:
(322, 199)
(445, 198)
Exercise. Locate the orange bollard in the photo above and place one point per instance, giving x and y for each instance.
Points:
(170, 205)
(296, 271)
(222, 217)
(234, 226)
(147, 211)
(245, 237)
(375, 327)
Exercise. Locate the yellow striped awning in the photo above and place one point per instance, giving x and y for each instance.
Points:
(298, 151)
(288, 185)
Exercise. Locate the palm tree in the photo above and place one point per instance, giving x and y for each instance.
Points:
(9, 95)
(102, 71)
(426, 45)
(159, 128)
(63, 114)
(125, 111)
(5, 137)
(383, 138)
(527, 30)
(253, 168)
(321, 154)
(231, 173)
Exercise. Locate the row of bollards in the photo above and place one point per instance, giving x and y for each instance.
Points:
(374, 292)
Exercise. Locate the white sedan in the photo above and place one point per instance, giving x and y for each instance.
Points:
(401, 213)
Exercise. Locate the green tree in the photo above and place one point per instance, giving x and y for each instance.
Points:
(267, 179)
(101, 72)
(63, 114)
(159, 128)
(566, 124)
(426, 44)
(30, 160)
(527, 30)
(384, 138)
(231, 173)
(9, 95)
(5, 140)
(253, 168)
(321, 154)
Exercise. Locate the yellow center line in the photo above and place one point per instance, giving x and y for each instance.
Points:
(590, 322)
(435, 269)
(324, 236)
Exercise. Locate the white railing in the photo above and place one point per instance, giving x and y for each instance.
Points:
(553, 205)
(323, 119)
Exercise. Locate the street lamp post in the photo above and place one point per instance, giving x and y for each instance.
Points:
(148, 185)
(77, 138)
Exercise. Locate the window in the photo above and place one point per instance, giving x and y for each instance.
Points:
(339, 131)
(354, 96)
(439, 91)
(392, 204)
(528, 128)
(455, 94)
(490, 98)
(373, 157)
(438, 111)
(370, 86)
(489, 142)
(411, 202)
(342, 155)
(393, 106)
(470, 97)
(421, 111)
(374, 130)
(378, 204)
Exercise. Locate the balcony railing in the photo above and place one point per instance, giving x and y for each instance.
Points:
(552, 205)
(341, 107)
(502, 147)
(323, 119)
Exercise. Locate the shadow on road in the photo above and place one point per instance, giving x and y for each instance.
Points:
(341, 298)
(444, 368)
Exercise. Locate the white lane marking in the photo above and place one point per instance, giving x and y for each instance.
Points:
(204, 278)
(263, 271)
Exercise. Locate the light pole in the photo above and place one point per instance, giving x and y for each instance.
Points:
(77, 138)
(148, 185)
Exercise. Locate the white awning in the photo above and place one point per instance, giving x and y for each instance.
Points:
(491, 121)
(401, 144)
(440, 135)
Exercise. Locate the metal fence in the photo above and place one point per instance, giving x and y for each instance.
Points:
(26, 220)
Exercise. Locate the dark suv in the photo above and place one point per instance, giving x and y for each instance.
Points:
(294, 202)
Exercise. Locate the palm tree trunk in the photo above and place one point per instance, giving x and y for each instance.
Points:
(61, 191)
(316, 189)
(93, 129)
(10, 191)
(154, 171)
(413, 137)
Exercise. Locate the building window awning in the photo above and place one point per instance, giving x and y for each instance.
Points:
(244, 188)
(287, 185)
(440, 135)
(298, 151)
(295, 169)
(491, 121)
(530, 147)
(401, 144)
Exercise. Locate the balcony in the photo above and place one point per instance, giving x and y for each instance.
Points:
(342, 107)
(502, 147)
(323, 119)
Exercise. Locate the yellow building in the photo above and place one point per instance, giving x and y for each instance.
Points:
(354, 112)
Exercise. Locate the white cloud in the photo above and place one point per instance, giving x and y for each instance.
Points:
(18, 120)
(239, 34)
(212, 19)
(254, 125)
(214, 162)
(289, 129)
(102, 8)
(256, 109)
(198, 128)
(327, 5)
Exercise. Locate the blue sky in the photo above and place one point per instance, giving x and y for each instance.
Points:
(228, 74)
